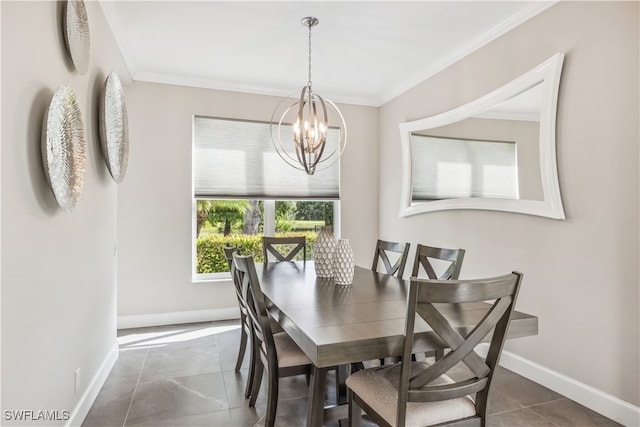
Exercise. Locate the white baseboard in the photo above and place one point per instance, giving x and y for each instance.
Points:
(177, 317)
(89, 396)
(603, 403)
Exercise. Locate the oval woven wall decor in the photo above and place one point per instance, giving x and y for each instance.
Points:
(77, 36)
(114, 127)
(64, 148)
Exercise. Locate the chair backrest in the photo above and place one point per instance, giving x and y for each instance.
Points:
(425, 255)
(257, 308)
(284, 248)
(383, 248)
(425, 298)
(228, 254)
(229, 251)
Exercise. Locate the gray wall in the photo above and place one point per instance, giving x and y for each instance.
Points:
(58, 268)
(580, 275)
(154, 202)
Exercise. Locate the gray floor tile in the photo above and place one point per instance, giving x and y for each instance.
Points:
(518, 418)
(108, 413)
(565, 413)
(209, 419)
(288, 388)
(521, 389)
(235, 383)
(178, 397)
(231, 336)
(134, 331)
(126, 370)
(291, 413)
(498, 402)
(187, 335)
(179, 360)
(229, 355)
(291, 387)
(245, 417)
(112, 403)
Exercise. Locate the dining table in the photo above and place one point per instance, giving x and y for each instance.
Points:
(337, 326)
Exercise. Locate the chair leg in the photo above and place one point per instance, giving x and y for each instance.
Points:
(355, 413)
(253, 357)
(390, 360)
(242, 349)
(256, 382)
(272, 399)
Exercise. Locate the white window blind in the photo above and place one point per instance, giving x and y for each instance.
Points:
(236, 158)
(449, 168)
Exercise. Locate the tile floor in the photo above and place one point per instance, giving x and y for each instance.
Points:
(183, 376)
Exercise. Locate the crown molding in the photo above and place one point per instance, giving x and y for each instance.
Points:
(471, 47)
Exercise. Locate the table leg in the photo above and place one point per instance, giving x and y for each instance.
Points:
(342, 371)
(315, 408)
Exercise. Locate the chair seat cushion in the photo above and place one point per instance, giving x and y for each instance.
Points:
(378, 387)
(289, 354)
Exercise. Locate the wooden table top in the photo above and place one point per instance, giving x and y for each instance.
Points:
(336, 325)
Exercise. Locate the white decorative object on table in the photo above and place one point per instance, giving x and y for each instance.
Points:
(323, 249)
(343, 263)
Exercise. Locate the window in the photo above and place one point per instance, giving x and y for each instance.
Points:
(243, 190)
(450, 168)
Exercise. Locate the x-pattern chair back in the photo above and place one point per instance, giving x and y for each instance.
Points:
(257, 308)
(228, 253)
(237, 283)
(245, 323)
(383, 249)
(425, 255)
(425, 298)
(277, 246)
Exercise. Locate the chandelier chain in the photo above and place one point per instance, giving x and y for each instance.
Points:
(309, 58)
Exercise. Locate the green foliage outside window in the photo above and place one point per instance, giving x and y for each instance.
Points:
(210, 253)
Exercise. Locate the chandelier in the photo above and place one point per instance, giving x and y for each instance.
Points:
(304, 126)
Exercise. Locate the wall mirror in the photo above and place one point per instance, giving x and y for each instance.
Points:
(497, 152)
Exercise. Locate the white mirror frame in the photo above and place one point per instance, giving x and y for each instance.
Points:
(551, 207)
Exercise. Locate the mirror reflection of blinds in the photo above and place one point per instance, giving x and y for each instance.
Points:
(236, 159)
(451, 168)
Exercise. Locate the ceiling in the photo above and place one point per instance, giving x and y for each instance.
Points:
(363, 52)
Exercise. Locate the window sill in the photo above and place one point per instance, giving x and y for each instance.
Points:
(210, 279)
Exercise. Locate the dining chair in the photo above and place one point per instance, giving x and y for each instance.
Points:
(438, 263)
(426, 255)
(383, 249)
(245, 322)
(245, 327)
(421, 393)
(283, 248)
(275, 352)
